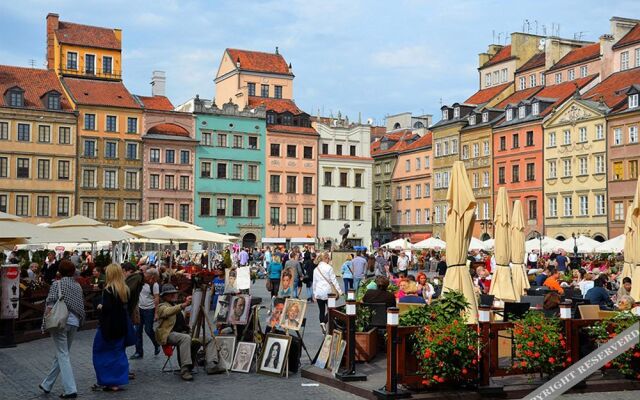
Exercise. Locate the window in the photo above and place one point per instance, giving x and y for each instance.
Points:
(553, 207)
(568, 206)
(584, 205)
(521, 112)
(277, 92)
(44, 169)
(342, 212)
(552, 139)
(205, 169)
(533, 209)
(624, 60)
(472, 119)
(438, 215)
(237, 142)
(523, 83)
(633, 169)
(132, 125)
(532, 80)
(154, 181)
(307, 185)
(531, 172)
(487, 80)
(89, 148)
(252, 208)
(352, 151)
(454, 146)
(253, 142)
(53, 101)
(111, 150)
(222, 171)
(291, 184)
(236, 207)
(63, 206)
(24, 133)
(456, 112)
(238, 173)
(206, 139)
(89, 178)
(251, 86)
(63, 170)
(185, 156)
(529, 138)
(571, 74)
(274, 183)
(110, 179)
(399, 193)
(399, 217)
(535, 109)
(515, 173)
(600, 204)
(205, 206)
(132, 151)
(637, 58)
(90, 64)
(501, 176)
(327, 178)
(44, 134)
(222, 140)
(264, 90)
(107, 65)
(89, 209)
(407, 217)
(407, 164)
(112, 123)
(357, 213)
(325, 148)
(485, 116)
(485, 179)
(618, 211)
(307, 216)
(326, 211)
(567, 168)
(599, 132)
(131, 211)
(427, 162)
(582, 134)
(344, 177)
(418, 191)
(485, 146)
(516, 141)
(131, 180)
(553, 173)
(418, 216)
(339, 149)
(485, 210)
(465, 153)
(503, 75)
(22, 205)
(503, 143)
(358, 180)
(617, 136)
(275, 150)
(253, 173)
(407, 192)
(476, 150)
(558, 78)
(476, 180)
(583, 71)
(42, 206)
(584, 170)
(599, 164)
(72, 60)
(16, 97)
(4, 167)
(184, 212)
(90, 122)
(291, 215)
(633, 134)
(542, 79)
(307, 152)
(4, 131)
(23, 165)
(566, 137)
(221, 207)
(168, 210)
(427, 190)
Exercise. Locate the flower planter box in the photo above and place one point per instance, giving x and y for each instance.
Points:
(366, 345)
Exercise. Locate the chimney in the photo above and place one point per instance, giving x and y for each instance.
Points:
(238, 62)
(158, 83)
(52, 26)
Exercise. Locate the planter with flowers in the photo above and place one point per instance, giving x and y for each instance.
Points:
(540, 345)
(366, 337)
(628, 363)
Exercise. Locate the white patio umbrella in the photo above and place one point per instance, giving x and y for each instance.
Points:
(548, 245)
(14, 231)
(431, 243)
(585, 244)
(403, 244)
(476, 244)
(489, 244)
(615, 245)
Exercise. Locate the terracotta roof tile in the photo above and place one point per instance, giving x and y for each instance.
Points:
(260, 62)
(519, 96)
(484, 95)
(632, 37)
(425, 141)
(562, 91)
(613, 89)
(160, 103)
(401, 138)
(168, 129)
(86, 35)
(578, 55)
(291, 129)
(536, 61)
(100, 93)
(35, 83)
(276, 105)
(503, 54)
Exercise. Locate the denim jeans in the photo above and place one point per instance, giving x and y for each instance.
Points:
(146, 324)
(356, 283)
(348, 284)
(62, 363)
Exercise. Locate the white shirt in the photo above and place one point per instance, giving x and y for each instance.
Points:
(146, 301)
(321, 288)
(533, 257)
(402, 263)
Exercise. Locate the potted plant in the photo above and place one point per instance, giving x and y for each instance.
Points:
(628, 363)
(366, 337)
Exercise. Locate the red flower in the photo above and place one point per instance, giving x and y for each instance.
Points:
(552, 360)
(427, 353)
(530, 344)
(464, 371)
(636, 354)
(523, 363)
(536, 354)
(608, 365)
(440, 380)
(568, 359)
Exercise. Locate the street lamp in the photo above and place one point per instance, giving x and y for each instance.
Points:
(575, 244)
(485, 224)
(538, 236)
(275, 223)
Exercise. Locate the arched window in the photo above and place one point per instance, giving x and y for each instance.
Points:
(396, 125)
(418, 125)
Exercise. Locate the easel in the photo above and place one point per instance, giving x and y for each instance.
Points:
(202, 320)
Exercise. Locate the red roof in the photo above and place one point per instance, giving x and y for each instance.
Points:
(400, 138)
(276, 105)
(536, 61)
(613, 89)
(424, 141)
(259, 62)
(345, 157)
(577, 56)
(632, 37)
(519, 96)
(484, 95)
(562, 91)
(160, 103)
(35, 83)
(85, 35)
(291, 129)
(100, 93)
(503, 54)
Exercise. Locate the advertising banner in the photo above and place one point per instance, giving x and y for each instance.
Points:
(10, 287)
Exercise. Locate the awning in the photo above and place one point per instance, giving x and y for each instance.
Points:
(274, 240)
(303, 240)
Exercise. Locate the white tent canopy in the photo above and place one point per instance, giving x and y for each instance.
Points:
(430, 243)
(548, 244)
(585, 244)
(79, 229)
(403, 244)
(14, 231)
(615, 245)
(167, 228)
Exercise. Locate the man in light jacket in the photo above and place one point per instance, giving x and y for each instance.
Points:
(172, 327)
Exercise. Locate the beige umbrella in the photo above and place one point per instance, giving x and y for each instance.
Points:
(501, 284)
(632, 243)
(460, 220)
(629, 243)
(14, 231)
(80, 229)
(518, 267)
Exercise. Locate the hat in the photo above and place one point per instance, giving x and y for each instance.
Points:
(168, 289)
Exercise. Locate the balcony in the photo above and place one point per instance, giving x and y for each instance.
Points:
(95, 73)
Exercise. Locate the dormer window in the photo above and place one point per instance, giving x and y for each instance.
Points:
(535, 109)
(521, 112)
(445, 114)
(509, 114)
(456, 112)
(15, 97)
(633, 100)
(485, 116)
(53, 100)
(472, 119)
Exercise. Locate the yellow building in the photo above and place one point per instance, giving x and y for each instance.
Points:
(575, 187)
(37, 146)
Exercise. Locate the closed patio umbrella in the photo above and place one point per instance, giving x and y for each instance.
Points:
(631, 237)
(501, 284)
(632, 245)
(518, 266)
(458, 228)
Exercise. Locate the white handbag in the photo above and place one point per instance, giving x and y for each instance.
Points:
(57, 316)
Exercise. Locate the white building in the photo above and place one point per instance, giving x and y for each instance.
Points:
(344, 187)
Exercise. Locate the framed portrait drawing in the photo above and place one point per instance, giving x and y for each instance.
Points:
(293, 314)
(244, 357)
(286, 283)
(222, 309)
(325, 350)
(338, 359)
(225, 345)
(239, 308)
(335, 345)
(230, 281)
(274, 354)
(273, 320)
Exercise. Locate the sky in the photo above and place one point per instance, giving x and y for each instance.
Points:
(371, 57)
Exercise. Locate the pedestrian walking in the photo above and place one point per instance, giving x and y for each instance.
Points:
(147, 306)
(359, 265)
(274, 270)
(347, 273)
(324, 283)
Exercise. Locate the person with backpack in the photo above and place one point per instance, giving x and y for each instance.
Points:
(148, 301)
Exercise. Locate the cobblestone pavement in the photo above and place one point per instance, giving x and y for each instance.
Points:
(23, 368)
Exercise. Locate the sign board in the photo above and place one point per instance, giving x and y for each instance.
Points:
(587, 366)
(10, 291)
